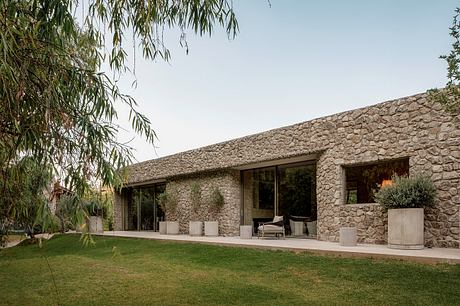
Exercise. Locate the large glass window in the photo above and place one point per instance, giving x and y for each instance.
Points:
(363, 181)
(132, 210)
(258, 195)
(146, 200)
(286, 190)
(264, 188)
(143, 211)
(297, 191)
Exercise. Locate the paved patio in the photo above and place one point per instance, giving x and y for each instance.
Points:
(427, 255)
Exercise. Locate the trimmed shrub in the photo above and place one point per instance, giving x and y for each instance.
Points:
(95, 207)
(407, 192)
(217, 199)
(169, 199)
(195, 196)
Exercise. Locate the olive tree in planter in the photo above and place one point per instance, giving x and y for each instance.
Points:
(168, 201)
(195, 226)
(162, 202)
(96, 211)
(216, 202)
(404, 199)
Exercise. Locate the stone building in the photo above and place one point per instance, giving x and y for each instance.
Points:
(324, 170)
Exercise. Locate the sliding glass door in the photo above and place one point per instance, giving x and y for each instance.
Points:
(296, 191)
(259, 195)
(143, 211)
(147, 203)
(284, 190)
(158, 213)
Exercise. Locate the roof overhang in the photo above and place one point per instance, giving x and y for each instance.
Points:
(282, 161)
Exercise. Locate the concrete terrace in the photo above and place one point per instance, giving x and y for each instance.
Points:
(427, 255)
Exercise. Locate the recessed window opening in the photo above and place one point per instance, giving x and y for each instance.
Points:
(363, 181)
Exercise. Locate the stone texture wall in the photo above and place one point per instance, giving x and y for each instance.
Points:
(412, 127)
(120, 204)
(228, 216)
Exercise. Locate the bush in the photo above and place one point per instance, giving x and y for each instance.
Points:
(169, 199)
(407, 192)
(163, 200)
(217, 199)
(195, 196)
(96, 208)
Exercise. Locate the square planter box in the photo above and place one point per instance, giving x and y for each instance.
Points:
(162, 228)
(172, 227)
(348, 236)
(297, 227)
(95, 225)
(211, 228)
(406, 228)
(246, 231)
(195, 228)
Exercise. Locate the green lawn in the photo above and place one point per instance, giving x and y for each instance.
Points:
(123, 271)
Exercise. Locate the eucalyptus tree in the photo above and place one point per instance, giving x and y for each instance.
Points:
(56, 102)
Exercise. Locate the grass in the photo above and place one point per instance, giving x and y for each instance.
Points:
(122, 271)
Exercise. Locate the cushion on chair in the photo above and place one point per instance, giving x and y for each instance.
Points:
(277, 218)
(270, 228)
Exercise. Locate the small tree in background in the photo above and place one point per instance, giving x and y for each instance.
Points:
(169, 199)
(195, 198)
(23, 201)
(217, 199)
(64, 208)
(450, 95)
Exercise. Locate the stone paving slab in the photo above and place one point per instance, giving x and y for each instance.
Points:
(13, 243)
(427, 255)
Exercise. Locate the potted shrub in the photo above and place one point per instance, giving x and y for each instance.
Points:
(162, 202)
(168, 201)
(211, 228)
(195, 227)
(404, 198)
(95, 210)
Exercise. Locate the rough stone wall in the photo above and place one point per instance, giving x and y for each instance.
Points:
(413, 128)
(119, 204)
(410, 127)
(228, 216)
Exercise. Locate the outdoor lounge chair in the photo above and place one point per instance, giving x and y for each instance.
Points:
(275, 227)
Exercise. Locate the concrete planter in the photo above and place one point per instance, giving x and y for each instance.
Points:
(297, 227)
(211, 228)
(95, 224)
(195, 228)
(348, 236)
(162, 228)
(172, 227)
(311, 227)
(246, 231)
(405, 228)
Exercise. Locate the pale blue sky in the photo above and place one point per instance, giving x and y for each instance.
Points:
(293, 62)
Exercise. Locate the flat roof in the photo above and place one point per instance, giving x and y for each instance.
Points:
(248, 151)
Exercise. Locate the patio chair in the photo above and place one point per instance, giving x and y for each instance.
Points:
(275, 227)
